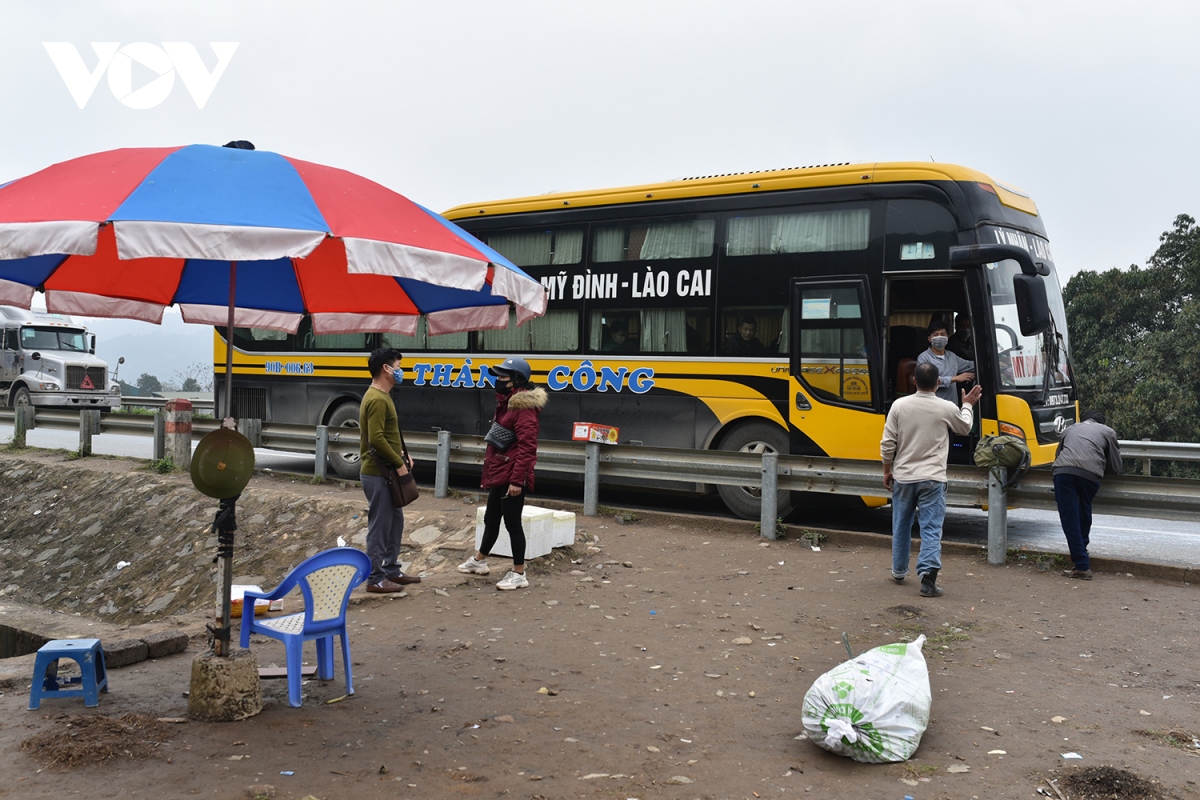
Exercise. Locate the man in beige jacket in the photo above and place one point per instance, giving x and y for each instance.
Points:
(916, 441)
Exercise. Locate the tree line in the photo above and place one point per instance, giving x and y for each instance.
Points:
(1135, 340)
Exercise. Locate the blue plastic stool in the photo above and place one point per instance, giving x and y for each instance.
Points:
(93, 679)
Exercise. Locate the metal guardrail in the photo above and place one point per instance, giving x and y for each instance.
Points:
(1124, 495)
(158, 402)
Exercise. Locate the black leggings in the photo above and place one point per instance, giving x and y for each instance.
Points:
(499, 505)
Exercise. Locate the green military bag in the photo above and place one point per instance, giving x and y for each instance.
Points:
(1004, 450)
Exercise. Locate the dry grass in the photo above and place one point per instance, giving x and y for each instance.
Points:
(79, 740)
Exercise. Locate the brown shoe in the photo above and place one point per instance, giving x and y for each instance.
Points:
(405, 580)
(1082, 574)
(384, 587)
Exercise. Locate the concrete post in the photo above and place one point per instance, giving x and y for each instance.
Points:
(769, 501)
(1146, 464)
(441, 480)
(322, 452)
(997, 516)
(591, 479)
(178, 433)
(89, 426)
(22, 422)
(160, 435)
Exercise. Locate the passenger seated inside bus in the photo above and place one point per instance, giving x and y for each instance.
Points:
(745, 342)
(617, 338)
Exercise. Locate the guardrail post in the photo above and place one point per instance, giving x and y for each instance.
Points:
(160, 435)
(1146, 463)
(177, 429)
(321, 452)
(997, 516)
(22, 422)
(769, 500)
(441, 481)
(252, 430)
(89, 426)
(591, 479)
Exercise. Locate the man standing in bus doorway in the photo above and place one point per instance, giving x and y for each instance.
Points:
(916, 441)
(951, 369)
(379, 428)
(1086, 452)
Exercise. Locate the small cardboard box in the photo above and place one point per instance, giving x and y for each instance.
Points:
(238, 594)
(594, 432)
(538, 524)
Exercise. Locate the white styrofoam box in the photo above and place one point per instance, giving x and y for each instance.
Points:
(539, 532)
(564, 528)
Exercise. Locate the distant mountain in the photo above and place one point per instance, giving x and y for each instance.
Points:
(165, 351)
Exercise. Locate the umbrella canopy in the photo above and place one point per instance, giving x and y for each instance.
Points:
(125, 233)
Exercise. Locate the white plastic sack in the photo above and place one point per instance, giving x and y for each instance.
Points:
(873, 708)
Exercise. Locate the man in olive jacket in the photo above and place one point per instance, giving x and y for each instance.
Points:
(379, 427)
(1087, 451)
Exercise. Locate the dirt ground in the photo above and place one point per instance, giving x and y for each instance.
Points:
(617, 674)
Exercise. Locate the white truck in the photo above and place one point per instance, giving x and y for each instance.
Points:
(46, 360)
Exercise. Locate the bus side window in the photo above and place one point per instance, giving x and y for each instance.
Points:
(753, 331)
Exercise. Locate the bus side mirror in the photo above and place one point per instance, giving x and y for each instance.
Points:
(1033, 310)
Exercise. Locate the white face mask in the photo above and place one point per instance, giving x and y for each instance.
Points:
(939, 342)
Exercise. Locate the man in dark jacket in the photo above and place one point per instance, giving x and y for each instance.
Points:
(1087, 451)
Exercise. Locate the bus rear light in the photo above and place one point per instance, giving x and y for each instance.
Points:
(1011, 430)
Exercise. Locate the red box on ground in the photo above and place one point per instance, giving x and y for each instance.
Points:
(594, 432)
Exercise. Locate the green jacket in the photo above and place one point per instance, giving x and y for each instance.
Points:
(379, 426)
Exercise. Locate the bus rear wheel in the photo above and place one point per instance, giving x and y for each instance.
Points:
(344, 465)
(759, 438)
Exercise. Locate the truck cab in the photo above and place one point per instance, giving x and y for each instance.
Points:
(46, 360)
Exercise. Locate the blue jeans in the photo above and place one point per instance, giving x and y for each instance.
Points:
(1074, 495)
(925, 500)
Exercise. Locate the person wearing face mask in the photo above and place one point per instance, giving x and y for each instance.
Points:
(951, 369)
(962, 343)
(508, 466)
(379, 427)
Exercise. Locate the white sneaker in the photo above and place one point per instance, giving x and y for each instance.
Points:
(513, 580)
(473, 567)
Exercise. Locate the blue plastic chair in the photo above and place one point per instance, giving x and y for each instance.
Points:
(92, 680)
(326, 580)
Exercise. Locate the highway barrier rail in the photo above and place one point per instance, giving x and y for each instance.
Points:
(1124, 495)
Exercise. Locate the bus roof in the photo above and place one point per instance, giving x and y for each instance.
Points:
(753, 183)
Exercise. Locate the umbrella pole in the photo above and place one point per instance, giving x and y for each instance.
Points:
(222, 643)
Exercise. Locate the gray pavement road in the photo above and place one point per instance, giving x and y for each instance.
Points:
(1130, 538)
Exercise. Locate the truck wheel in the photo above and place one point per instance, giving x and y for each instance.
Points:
(759, 438)
(344, 465)
(20, 397)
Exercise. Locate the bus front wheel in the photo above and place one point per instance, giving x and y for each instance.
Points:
(759, 438)
(344, 465)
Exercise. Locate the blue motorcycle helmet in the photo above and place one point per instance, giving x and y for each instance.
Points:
(517, 368)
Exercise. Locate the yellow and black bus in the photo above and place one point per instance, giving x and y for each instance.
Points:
(768, 311)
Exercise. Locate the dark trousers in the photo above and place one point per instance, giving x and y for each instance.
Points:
(499, 506)
(1074, 495)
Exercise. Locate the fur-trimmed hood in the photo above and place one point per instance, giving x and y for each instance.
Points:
(528, 398)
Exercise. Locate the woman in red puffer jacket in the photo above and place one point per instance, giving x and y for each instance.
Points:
(508, 467)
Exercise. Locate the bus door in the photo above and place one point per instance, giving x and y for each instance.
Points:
(914, 301)
(835, 367)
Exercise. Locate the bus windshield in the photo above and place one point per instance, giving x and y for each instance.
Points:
(1023, 359)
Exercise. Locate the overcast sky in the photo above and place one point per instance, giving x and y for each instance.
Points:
(1088, 106)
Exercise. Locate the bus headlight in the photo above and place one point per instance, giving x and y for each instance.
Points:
(1012, 430)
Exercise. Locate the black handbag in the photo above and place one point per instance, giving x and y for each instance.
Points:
(500, 437)
(403, 487)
